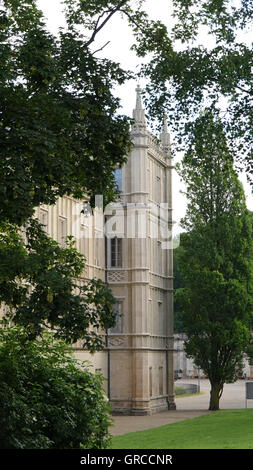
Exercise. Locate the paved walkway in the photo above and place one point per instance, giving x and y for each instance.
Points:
(187, 407)
(126, 424)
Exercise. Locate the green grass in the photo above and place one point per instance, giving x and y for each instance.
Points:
(224, 429)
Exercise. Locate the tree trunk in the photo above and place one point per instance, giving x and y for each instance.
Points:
(215, 394)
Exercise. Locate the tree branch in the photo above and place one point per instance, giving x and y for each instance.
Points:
(98, 28)
(101, 48)
(130, 18)
(249, 92)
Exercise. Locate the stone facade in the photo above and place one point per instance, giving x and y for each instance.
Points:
(129, 246)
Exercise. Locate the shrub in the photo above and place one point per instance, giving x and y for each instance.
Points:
(48, 399)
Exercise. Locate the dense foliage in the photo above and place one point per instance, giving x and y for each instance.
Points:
(61, 134)
(39, 288)
(177, 284)
(215, 259)
(200, 57)
(60, 129)
(48, 399)
(58, 110)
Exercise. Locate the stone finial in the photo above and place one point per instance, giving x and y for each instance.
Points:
(138, 112)
(165, 136)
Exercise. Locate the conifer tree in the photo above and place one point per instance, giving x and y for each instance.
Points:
(215, 258)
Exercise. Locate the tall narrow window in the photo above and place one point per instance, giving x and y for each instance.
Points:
(84, 240)
(150, 382)
(118, 178)
(97, 248)
(160, 381)
(158, 189)
(62, 228)
(43, 219)
(159, 257)
(116, 252)
(148, 179)
(118, 309)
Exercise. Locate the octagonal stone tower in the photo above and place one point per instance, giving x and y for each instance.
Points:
(140, 274)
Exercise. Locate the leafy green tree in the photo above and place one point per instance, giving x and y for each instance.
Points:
(178, 284)
(58, 112)
(39, 288)
(60, 129)
(61, 134)
(216, 258)
(204, 59)
(49, 400)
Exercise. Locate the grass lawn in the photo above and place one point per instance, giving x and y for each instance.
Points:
(224, 429)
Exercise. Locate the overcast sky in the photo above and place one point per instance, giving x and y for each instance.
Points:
(119, 35)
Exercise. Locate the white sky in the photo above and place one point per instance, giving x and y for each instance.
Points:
(120, 38)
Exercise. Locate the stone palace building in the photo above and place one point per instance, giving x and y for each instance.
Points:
(129, 245)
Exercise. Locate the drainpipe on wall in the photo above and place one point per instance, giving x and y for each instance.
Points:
(167, 375)
(107, 335)
(108, 366)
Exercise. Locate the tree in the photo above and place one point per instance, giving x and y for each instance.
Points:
(39, 288)
(60, 129)
(58, 112)
(49, 400)
(61, 134)
(204, 60)
(178, 284)
(216, 258)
